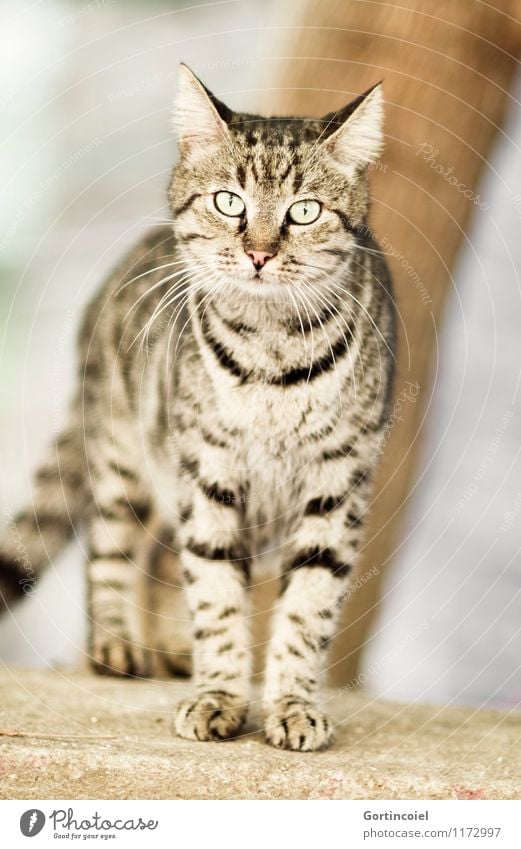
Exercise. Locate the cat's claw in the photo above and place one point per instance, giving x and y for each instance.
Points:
(121, 658)
(297, 725)
(210, 716)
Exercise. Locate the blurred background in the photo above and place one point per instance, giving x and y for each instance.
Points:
(86, 151)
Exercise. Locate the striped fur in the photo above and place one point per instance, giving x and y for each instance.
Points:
(227, 411)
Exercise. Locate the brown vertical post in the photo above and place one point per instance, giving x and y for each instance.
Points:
(447, 69)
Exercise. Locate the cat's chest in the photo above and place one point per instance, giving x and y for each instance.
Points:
(275, 484)
(269, 468)
(276, 389)
(277, 433)
(274, 458)
(278, 421)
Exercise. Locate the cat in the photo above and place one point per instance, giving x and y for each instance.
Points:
(235, 377)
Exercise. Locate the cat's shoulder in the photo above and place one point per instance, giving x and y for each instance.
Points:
(138, 270)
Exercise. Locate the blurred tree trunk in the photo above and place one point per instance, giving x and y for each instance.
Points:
(447, 69)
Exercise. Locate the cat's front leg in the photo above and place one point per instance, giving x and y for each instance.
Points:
(315, 579)
(215, 572)
(305, 624)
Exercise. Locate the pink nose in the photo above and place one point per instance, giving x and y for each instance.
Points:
(259, 258)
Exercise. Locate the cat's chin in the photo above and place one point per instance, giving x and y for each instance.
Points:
(263, 288)
(274, 292)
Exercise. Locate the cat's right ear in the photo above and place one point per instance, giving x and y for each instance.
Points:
(198, 118)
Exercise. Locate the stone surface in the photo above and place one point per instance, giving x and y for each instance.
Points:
(383, 750)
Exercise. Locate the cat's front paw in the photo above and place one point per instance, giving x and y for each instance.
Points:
(209, 716)
(111, 655)
(297, 725)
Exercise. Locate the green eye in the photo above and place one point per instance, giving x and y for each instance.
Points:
(229, 204)
(304, 211)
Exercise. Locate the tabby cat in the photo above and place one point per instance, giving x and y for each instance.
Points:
(235, 377)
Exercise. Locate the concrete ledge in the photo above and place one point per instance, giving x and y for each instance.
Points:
(382, 750)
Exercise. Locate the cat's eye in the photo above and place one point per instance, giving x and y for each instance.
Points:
(229, 204)
(304, 211)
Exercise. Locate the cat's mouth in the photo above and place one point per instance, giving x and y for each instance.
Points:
(261, 277)
(256, 284)
(258, 277)
(263, 282)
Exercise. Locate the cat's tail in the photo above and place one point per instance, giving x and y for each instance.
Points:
(35, 536)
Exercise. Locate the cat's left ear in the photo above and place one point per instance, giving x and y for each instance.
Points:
(358, 141)
(199, 118)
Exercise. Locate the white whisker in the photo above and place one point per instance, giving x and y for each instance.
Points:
(325, 334)
(335, 312)
(149, 271)
(312, 353)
